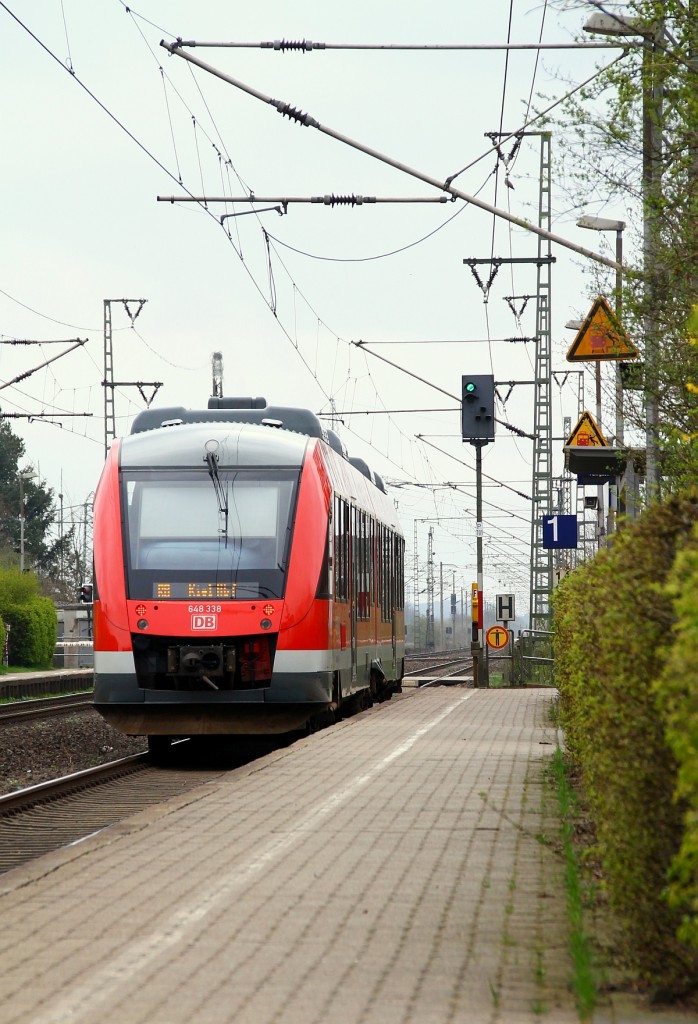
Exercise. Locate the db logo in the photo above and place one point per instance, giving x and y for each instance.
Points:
(204, 621)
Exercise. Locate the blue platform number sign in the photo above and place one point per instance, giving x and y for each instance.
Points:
(559, 531)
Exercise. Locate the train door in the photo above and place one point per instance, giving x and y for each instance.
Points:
(342, 589)
(353, 587)
(396, 584)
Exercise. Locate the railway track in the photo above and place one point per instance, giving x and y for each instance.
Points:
(44, 707)
(59, 813)
(441, 668)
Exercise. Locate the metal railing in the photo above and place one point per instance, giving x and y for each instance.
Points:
(536, 657)
(73, 653)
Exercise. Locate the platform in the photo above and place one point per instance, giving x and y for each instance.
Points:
(391, 868)
(427, 680)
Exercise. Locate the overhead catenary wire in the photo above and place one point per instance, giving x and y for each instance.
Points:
(273, 310)
(325, 200)
(28, 341)
(308, 46)
(507, 487)
(449, 394)
(145, 150)
(305, 119)
(27, 373)
(200, 126)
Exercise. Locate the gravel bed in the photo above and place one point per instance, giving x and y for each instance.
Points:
(44, 749)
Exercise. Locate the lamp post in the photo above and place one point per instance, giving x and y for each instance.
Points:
(26, 474)
(453, 567)
(604, 224)
(652, 116)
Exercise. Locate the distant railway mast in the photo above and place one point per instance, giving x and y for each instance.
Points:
(217, 375)
(429, 638)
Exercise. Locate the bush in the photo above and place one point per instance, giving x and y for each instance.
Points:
(25, 635)
(49, 628)
(17, 588)
(612, 617)
(31, 617)
(678, 698)
(33, 631)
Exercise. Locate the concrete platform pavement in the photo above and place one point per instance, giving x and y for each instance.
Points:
(392, 868)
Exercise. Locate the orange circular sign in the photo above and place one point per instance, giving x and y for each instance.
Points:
(497, 637)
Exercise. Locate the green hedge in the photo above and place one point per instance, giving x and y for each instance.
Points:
(678, 697)
(33, 630)
(31, 617)
(613, 620)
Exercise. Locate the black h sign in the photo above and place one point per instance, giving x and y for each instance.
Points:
(506, 609)
(477, 409)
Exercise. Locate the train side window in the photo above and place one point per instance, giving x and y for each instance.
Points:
(385, 574)
(355, 554)
(341, 550)
(400, 572)
(324, 586)
(378, 575)
(362, 562)
(370, 549)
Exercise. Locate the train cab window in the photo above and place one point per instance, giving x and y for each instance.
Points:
(184, 540)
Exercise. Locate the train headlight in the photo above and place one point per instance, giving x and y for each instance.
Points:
(265, 623)
(142, 623)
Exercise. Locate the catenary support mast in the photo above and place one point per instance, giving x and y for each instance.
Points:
(541, 561)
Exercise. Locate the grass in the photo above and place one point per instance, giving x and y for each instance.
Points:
(497, 680)
(43, 696)
(6, 670)
(583, 980)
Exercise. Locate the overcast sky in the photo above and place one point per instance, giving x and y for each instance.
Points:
(80, 224)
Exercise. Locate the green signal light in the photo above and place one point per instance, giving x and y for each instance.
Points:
(470, 388)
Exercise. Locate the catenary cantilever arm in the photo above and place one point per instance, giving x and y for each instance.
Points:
(308, 121)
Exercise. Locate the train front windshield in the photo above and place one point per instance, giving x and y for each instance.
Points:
(189, 537)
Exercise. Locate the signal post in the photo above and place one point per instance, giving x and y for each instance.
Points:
(477, 428)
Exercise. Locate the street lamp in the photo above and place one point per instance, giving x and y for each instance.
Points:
(652, 115)
(604, 224)
(26, 474)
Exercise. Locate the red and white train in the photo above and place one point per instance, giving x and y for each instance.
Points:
(249, 576)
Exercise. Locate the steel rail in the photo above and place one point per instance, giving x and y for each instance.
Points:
(44, 707)
(22, 799)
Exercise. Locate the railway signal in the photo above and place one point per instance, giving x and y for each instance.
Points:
(477, 410)
(477, 427)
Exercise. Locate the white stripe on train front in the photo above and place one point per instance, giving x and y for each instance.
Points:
(114, 662)
(121, 662)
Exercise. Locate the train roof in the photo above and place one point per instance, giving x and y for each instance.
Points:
(278, 422)
(234, 444)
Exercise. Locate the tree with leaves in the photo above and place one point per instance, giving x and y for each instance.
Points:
(42, 553)
(631, 150)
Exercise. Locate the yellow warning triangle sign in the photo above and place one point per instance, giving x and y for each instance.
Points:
(587, 434)
(601, 336)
